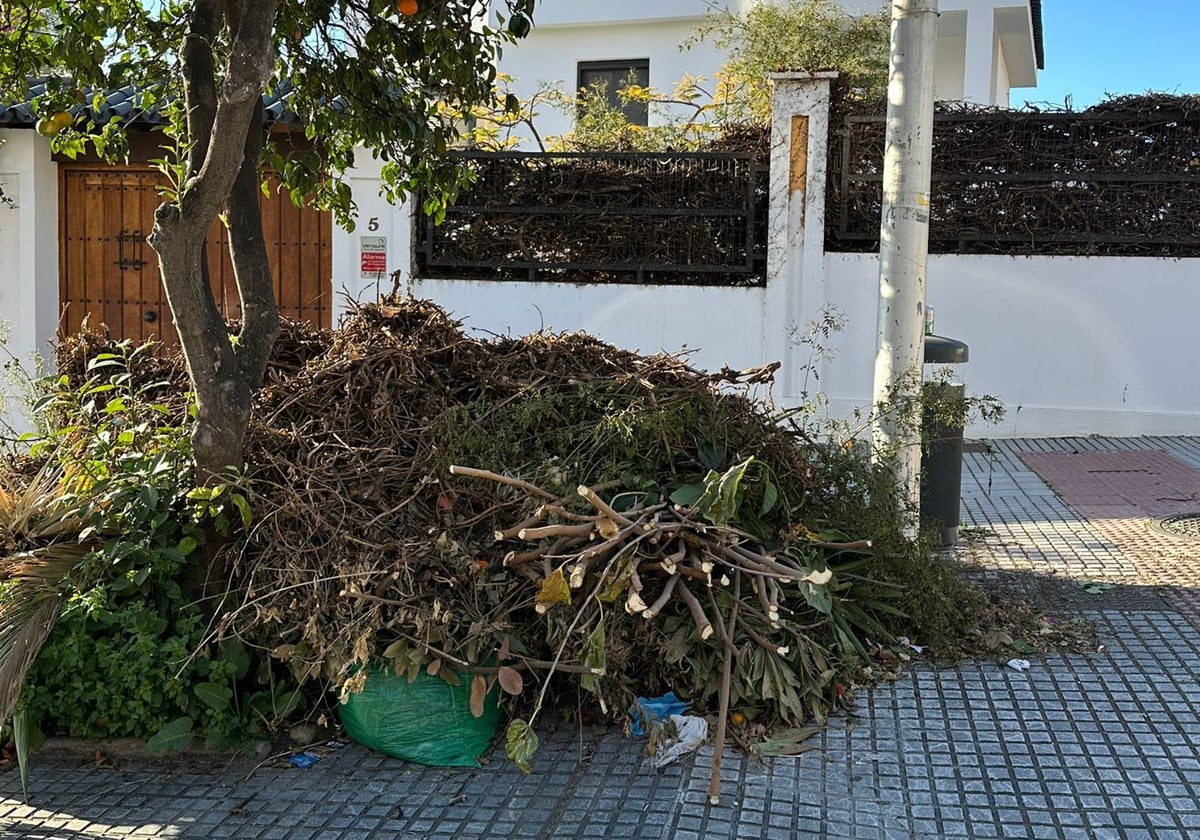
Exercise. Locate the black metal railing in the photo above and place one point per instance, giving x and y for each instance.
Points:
(694, 218)
(1120, 182)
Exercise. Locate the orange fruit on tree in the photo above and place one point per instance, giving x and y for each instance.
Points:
(54, 124)
(408, 8)
(737, 718)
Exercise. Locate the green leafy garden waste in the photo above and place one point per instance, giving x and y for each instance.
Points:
(365, 550)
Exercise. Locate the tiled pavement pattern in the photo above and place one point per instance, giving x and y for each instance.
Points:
(1026, 527)
(1100, 746)
(1122, 493)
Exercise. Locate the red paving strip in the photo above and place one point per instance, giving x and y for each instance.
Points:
(1121, 494)
(1150, 481)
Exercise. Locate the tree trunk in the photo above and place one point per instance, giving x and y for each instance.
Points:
(222, 400)
(225, 373)
(225, 125)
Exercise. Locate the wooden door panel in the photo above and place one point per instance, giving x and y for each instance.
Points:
(72, 253)
(270, 218)
(160, 328)
(288, 256)
(132, 263)
(309, 271)
(94, 236)
(109, 274)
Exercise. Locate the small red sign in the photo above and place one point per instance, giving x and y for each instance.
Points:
(373, 263)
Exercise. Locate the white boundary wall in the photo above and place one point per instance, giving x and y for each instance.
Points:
(28, 254)
(1071, 345)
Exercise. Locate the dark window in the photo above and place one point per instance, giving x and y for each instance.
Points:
(614, 75)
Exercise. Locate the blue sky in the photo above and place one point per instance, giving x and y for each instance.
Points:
(1095, 47)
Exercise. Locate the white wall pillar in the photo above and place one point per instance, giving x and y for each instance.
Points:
(795, 293)
(979, 75)
(1003, 86)
(29, 302)
(377, 224)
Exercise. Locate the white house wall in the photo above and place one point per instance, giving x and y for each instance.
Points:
(29, 243)
(579, 13)
(551, 55)
(973, 36)
(1014, 26)
(979, 73)
(948, 67)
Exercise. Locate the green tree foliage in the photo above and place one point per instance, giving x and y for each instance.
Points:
(397, 78)
(354, 72)
(810, 35)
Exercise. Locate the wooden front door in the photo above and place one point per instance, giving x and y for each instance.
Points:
(108, 274)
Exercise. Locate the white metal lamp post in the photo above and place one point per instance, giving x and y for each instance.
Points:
(904, 248)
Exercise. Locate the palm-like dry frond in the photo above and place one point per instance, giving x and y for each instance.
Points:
(39, 547)
(37, 512)
(29, 607)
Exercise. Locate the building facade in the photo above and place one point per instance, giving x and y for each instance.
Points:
(984, 47)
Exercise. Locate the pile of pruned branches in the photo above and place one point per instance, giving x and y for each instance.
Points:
(544, 505)
(551, 513)
(661, 556)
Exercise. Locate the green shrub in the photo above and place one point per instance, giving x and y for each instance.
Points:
(128, 654)
(130, 666)
(113, 668)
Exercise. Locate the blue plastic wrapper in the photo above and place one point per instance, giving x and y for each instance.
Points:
(647, 710)
(304, 759)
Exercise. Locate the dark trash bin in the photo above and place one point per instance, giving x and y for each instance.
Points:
(941, 453)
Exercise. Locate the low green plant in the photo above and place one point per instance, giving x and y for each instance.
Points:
(125, 655)
(939, 605)
(113, 666)
(944, 405)
(130, 666)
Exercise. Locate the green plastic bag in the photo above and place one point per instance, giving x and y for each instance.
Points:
(427, 721)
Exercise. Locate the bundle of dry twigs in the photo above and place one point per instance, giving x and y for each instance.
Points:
(660, 550)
